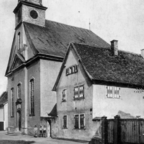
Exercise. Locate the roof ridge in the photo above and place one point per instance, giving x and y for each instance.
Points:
(90, 45)
(68, 25)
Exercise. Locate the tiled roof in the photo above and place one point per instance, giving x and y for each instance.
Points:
(101, 65)
(3, 99)
(54, 38)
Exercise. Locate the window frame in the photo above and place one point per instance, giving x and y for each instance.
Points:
(113, 92)
(79, 92)
(65, 122)
(79, 121)
(71, 70)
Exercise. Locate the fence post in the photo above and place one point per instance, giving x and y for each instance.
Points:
(104, 130)
(117, 132)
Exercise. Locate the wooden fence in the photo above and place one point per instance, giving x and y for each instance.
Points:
(122, 131)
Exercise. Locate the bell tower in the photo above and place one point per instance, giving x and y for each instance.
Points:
(31, 11)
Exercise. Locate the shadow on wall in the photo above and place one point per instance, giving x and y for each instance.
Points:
(15, 142)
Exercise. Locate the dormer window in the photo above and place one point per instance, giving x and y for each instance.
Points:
(71, 70)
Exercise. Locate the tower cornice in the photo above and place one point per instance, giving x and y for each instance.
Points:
(28, 4)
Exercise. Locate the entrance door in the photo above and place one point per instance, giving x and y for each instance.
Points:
(19, 120)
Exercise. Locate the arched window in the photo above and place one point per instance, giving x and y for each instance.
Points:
(32, 110)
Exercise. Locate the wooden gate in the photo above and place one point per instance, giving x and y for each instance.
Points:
(122, 131)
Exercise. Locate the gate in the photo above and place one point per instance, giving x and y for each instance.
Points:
(123, 131)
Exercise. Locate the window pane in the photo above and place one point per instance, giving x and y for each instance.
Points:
(82, 121)
(81, 91)
(76, 121)
(76, 92)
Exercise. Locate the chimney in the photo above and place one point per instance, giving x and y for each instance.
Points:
(114, 47)
(142, 53)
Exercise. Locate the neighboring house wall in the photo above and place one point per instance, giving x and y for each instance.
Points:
(48, 74)
(131, 102)
(5, 116)
(72, 107)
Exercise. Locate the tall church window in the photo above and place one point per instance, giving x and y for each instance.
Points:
(19, 91)
(12, 102)
(32, 109)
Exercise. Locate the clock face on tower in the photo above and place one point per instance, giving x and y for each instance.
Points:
(34, 14)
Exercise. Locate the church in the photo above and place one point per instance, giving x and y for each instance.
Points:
(37, 52)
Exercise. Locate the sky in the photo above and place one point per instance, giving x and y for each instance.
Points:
(122, 20)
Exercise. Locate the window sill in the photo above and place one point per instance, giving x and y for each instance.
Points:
(82, 98)
(64, 128)
(63, 100)
(31, 115)
(79, 128)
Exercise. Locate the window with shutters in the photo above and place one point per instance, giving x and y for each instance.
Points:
(32, 104)
(12, 102)
(113, 92)
(79, 92)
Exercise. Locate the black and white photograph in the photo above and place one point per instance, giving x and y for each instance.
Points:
(72, 72)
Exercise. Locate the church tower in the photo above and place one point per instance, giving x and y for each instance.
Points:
(31, 11)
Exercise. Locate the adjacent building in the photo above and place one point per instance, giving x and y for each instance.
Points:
(94, 82)
(37, 52)
(3, 111)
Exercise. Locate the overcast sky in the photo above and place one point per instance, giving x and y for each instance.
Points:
(110, 19)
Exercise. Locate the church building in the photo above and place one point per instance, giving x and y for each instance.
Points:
(37, 52)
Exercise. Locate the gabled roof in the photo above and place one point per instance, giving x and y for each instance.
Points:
(101, 66)
(54, 38)
(3, 99)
